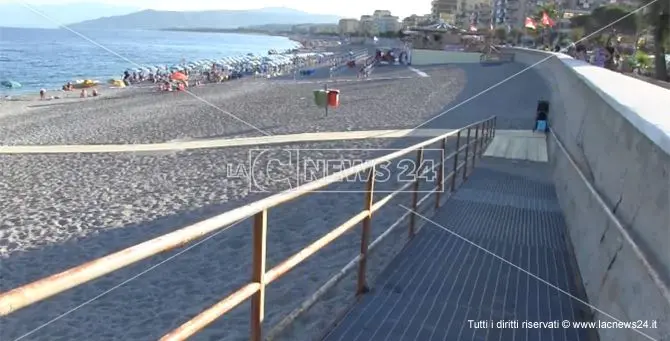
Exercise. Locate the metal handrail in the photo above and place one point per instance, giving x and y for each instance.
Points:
(343, 63)
(44, 288)
(651, 271)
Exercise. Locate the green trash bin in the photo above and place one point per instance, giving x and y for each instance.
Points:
(321, 98)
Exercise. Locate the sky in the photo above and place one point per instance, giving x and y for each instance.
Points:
(344, 8)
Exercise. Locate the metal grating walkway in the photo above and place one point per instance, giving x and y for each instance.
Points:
(439, 282)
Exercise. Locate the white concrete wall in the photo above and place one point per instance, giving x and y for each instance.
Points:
(434, 57)
(617, 128)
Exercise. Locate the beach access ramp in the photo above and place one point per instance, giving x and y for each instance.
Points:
(487, 254)
(495, 255)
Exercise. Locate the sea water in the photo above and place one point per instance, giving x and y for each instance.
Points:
(49, 58)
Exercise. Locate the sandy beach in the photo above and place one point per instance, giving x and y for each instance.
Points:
(63, 209)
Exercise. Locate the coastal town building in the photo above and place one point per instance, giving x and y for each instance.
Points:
(348, 26)
(474, 14)
(368, 26)
(500, 13)
(592, 4)
(445, 10)
(380, 22)
(381, 13)
(388, 24)
(416, 20)
(511, 14)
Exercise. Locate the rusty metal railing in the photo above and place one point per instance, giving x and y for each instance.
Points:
(474, 146)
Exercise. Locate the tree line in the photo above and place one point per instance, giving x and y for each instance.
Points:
(609, 20)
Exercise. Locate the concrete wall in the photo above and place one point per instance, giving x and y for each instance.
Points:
(617, 130)
(433, 57)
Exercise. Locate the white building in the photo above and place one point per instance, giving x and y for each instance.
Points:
(381, 21)
(368, 25)
(381, 13)
(388, 24)
(349, 26)
(416, 20)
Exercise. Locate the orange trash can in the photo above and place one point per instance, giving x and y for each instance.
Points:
(333, 98)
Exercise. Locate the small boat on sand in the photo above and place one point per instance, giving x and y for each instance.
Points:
(84, 84)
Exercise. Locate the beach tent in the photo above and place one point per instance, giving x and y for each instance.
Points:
(178, 76)
(10, 84)
(83, 84)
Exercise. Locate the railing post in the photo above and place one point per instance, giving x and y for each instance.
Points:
(492, 130)
(467, 152)
(365, 233)
(440, 177)
(455, 172)
(475, 151)
(415, 194)
(490, 134)
(258, 274)
(495, 125)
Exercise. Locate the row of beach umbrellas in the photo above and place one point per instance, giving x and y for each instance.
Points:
(232, 62)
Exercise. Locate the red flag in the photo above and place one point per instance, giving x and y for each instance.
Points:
(546, 21)
(529, 23)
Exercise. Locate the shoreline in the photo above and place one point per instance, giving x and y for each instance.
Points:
(26, 101)
(12, 93)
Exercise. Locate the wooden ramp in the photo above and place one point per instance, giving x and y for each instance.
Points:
(518, 145)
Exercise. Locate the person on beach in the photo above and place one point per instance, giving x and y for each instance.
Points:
(611, 60)
(94, 93)
(126, 77)
(43, 93)
(83, 93)
(580, 53)
(600, 56)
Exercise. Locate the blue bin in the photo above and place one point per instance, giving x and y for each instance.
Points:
(541, 125)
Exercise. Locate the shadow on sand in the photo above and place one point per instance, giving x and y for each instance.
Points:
(169, 294)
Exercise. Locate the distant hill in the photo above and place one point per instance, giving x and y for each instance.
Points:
(152, 19)
(17, 15)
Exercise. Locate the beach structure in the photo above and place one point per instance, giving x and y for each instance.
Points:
(442, 43)
(532, 232)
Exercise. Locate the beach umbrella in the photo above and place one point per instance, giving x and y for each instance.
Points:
(10, 84)
(178, 76)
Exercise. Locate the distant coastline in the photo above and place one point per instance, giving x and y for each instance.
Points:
(299, 38)
(228, 30)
